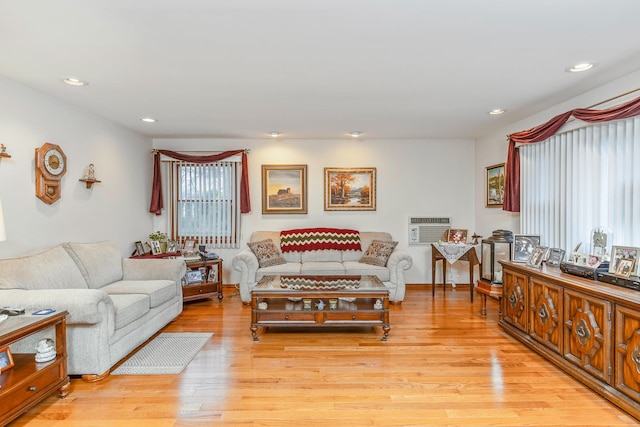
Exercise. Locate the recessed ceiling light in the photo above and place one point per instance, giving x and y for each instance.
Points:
(275, 134)
(580, 67)
(148, 120)
(497, 111)
(355, 133)
(74, 82)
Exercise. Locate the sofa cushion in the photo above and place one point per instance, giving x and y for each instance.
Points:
(366, 237)
(100, 263)
(48, 268)
(354, 268)
(378, 253)
(129, 307)
(159, 291)
(318, 256)
(290, 268)
(322, 268)
(267, 253)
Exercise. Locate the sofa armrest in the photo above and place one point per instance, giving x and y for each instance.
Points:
(85, 306)
(398, 262)
(246, 263)
(154, 269)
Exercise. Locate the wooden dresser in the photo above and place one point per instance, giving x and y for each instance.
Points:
(589, 329)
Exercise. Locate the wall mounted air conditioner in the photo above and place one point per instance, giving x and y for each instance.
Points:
(427, 230)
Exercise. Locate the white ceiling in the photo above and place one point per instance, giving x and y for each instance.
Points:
(317, 69)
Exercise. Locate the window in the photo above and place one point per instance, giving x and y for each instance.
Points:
(205, 202)
(582, 179)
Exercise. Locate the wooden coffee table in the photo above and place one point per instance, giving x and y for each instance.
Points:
(313, 301)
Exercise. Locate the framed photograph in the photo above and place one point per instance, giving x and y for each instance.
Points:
(495, 186)
(189, 246)
(213, 274)
(457, 235)
(194, 276)
(623, 252)
(349, 189)
(625, 267)
(156, 248)
(523, 246)
(172, 246)
(284, 189)
(556, 256)
(537, 256)
(6, 359)
(140, 249)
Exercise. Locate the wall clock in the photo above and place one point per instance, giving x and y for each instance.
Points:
(51, 165)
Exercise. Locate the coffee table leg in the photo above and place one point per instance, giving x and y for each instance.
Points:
(254, 329)
(386, 330)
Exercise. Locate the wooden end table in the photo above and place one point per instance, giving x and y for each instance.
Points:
(310, 306)
(27, 383)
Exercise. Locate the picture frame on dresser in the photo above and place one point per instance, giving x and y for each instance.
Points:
(523, 246)
(6, 359)
(538, 255)
(140, 249)
(625, 267)
(555, 257)
(623, 252)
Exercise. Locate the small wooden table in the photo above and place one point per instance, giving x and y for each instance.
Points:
(27, 383)
(275, 305)
(470, 256)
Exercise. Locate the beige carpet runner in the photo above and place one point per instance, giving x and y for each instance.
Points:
(168, 353)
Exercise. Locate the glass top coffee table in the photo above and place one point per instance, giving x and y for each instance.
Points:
(327, 301)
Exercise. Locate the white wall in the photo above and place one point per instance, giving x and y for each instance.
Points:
(492, 149)
(116, 209)
(417, 177)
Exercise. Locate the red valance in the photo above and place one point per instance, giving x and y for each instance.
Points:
(157, 202)
(546, 130)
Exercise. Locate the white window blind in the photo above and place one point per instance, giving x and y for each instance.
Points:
(582, 179)
(205, 202)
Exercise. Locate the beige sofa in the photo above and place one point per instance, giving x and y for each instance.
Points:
(323, 262)
(115, 304)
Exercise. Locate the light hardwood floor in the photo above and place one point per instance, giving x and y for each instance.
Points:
(444, 365)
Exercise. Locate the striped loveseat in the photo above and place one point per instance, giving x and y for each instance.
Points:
(321, 251)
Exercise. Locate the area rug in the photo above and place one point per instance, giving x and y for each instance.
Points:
(168, 353)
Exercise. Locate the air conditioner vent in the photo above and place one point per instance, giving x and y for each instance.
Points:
(427, 230)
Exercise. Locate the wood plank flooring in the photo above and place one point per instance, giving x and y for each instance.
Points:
(444, 365)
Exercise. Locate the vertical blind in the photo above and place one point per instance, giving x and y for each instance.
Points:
(578, 180)
(205, 202)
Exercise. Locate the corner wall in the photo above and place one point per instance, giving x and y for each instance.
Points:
(115, 209)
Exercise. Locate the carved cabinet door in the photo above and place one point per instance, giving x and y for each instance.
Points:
(587, 333)
(515, 299)
(545, 314)
(627, 358)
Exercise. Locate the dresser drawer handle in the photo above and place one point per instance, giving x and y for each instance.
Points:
(33, 388)
(286, 317)
(353, 317)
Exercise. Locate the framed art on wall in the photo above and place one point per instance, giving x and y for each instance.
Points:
(349, 189)
(284, 189)
(495, 186)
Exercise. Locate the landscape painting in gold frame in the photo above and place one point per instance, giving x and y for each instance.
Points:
(284, 189)
(495, 186)
(349, 189)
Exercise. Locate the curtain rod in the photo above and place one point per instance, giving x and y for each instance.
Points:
(613, 98)
(155, 150)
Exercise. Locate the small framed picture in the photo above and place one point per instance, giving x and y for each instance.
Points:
(620, 252)
(594, 261)
(172, 246)
(156, 248)
(189, 246)
(6, 359)
(194, 276)
(213, 274)
(523, 246)
(556, 256)
(537, 256)
(625, 267)
(140, 249)
(495, 186)
(457, 235)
